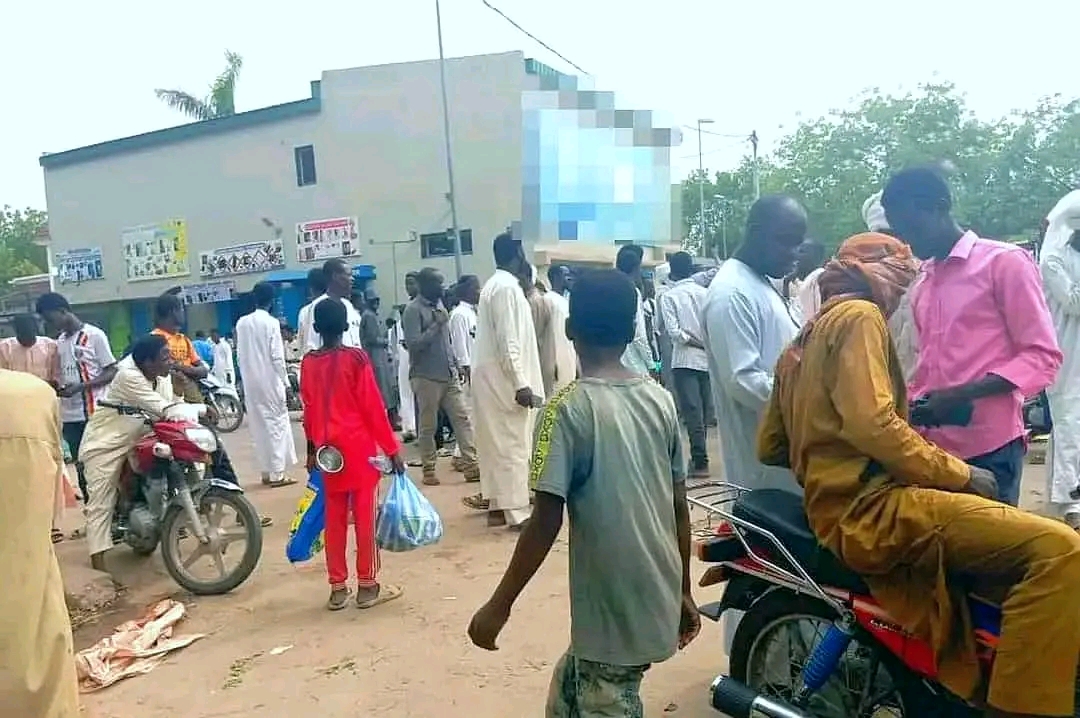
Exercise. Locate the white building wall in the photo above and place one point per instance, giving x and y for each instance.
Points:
(379, 154)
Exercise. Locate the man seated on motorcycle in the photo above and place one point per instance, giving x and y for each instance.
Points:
(142, 381)
(906, 515)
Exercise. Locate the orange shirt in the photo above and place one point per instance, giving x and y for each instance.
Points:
(180, 347)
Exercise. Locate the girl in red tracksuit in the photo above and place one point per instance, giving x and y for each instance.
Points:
(344, 409)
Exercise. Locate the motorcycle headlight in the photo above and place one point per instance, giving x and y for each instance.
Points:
(202, 438)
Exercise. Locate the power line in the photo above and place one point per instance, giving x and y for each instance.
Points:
(743, 136)
(536, 39)
(722, 148)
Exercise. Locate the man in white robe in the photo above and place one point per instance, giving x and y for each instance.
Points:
(462, 340)
(338, 276)
(566, 363)
(507, 387)
(638, 355)
(223, 368)
(1060, 264)
(261, 354)
(316, 289)
(747, 325)
(406, 398)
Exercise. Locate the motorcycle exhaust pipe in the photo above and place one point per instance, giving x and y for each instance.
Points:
(740, 701)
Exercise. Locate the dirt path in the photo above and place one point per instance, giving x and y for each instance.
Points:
(408, 658)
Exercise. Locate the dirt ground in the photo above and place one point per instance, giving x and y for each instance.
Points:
(409, 658)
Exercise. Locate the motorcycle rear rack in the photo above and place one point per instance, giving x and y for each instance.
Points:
(715, 498)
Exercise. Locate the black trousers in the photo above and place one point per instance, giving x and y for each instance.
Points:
(73, 433)
(694, 398)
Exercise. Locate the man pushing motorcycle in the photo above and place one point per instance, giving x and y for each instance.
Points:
(142, 382)
(905, 514)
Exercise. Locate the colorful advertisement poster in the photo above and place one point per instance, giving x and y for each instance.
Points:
(242, 259)
(155, 251)
(74, 266)
(207, 292)
(327, 238)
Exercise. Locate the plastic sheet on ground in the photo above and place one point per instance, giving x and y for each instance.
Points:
(134, 648)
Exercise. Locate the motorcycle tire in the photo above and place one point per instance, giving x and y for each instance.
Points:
(918, 699)
(230, 414)
(175, 518)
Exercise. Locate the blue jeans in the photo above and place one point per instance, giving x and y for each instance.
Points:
(1007, 465)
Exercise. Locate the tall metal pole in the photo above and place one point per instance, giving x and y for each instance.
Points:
(757, 173)
(449, 160)
(701, 184)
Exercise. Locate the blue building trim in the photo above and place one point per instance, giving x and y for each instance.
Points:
(193, 130)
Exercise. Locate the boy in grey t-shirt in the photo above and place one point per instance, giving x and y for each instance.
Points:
(608, 447)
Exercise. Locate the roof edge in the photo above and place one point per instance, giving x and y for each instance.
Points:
(192, 130)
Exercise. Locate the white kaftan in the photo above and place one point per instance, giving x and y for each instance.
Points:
(747, 326)
(223, 369)
(638, 355)
(406, 400)
(505, 359)
(1060, 266)
(566, 362)
(261, 353)
(311, 338)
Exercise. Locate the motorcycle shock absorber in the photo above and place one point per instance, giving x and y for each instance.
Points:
(825, 657)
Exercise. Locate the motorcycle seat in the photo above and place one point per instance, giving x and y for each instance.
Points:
(782, 513)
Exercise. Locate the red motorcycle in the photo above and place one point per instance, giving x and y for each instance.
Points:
(813, 642)
(164, 498)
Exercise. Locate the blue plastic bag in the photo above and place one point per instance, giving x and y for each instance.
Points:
(306, 529)
(407, 520)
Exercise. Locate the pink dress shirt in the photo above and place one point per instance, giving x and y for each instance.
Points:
(982, 311)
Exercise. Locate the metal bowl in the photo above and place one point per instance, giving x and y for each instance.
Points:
(329, 459)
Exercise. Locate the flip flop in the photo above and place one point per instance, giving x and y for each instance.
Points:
(287, 481)
(57, 535)
(387, 592)
(476, 502)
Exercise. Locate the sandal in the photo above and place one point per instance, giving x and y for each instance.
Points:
(286, 481)
(476, 502)
(338, 598)
(57, 535)
(387, 592)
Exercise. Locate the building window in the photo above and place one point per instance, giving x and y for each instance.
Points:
(305, 165)
(441, 244)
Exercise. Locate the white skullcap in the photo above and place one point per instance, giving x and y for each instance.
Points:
(874, 214)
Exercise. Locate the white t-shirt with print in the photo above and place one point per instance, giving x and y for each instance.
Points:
(83, 356)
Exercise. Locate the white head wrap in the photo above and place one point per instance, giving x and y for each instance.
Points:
(1063, 220)
(874, 214)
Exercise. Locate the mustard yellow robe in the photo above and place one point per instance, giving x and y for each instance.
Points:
(37, 666)
(888, 504)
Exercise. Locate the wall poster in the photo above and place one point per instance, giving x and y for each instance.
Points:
(242, 259)
(156, 251)
(327, 238)
(78, 265)
(207, 292)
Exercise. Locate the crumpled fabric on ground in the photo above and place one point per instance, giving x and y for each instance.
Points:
(134, 648)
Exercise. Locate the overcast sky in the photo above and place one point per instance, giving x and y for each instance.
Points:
(76, 73)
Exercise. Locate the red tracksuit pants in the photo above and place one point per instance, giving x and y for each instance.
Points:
(363, 504)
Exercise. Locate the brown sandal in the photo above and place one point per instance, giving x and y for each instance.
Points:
(476, 502)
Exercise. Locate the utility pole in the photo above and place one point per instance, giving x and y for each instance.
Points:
(757, 173)
(701, 183)
(451, 195)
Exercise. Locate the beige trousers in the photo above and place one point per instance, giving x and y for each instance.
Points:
(448, 396)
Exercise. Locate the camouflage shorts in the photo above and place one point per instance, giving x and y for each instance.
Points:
(584, 689)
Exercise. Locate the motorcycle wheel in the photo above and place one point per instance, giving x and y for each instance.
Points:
(783, 628)
(176, 530)
(230, 414)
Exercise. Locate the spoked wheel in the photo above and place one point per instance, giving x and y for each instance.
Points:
(230, 414)
(773, 643)
(232, 524)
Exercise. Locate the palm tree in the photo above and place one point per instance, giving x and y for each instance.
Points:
(220, 101)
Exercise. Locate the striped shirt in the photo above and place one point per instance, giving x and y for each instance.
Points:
(83, 355)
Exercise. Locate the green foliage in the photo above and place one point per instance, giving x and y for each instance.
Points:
(19, 256)
(1006, 174)
(221, 100)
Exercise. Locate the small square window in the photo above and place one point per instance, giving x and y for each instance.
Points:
(305, 165)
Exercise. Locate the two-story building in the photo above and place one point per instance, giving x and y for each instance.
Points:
(357, 170)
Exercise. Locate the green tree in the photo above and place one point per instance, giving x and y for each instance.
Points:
(19, 255)
(1006, 173)
(221, 102)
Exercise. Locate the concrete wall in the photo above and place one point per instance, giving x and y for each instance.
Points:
(379, 154)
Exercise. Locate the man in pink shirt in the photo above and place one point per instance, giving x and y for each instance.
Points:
(986, 339)
(28, 352)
